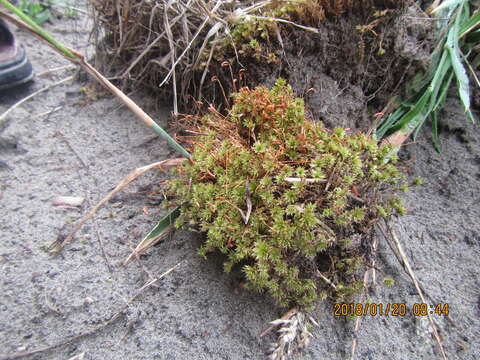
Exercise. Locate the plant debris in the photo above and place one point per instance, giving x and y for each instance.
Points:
(341, 56)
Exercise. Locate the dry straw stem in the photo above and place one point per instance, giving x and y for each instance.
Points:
(397, 249)
(79, 59)
(92, 331)
(161, 165)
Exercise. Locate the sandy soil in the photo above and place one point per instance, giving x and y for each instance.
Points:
(197, 311)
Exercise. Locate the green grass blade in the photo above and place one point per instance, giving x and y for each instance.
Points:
(468, 26)
(418, 128)
(476, 61)
(448, 4)
(163, 225)
(414, 117)
(470, 116)
(473, 37)
(443, 92)
(456, 59)
(447, 62)
(164, 135)
(436, 143)
(390, 121)
(437, 81)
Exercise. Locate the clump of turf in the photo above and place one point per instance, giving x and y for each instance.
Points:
(288, 201)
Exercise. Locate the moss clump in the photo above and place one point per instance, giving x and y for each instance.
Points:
(288, 200)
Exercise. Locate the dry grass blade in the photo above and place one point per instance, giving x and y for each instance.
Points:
(161, 165)
(269, 18)
(148, 121)
(397, 249)
(293, 335)
(92, 331)
(80, 356)
(46, 113)
(60, 68)
(249, 202)
(327, 280)
(190, 44)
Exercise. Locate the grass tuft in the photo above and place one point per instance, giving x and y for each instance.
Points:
(450, 60)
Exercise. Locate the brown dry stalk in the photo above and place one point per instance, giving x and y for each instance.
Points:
(161, 165)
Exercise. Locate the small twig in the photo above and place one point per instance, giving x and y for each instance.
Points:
(25, 99)
(72, 149)
(356, 198)
(372, 265)
(93, 330)
(475, 77)
(249, 202)
(60, 68)
(327, 280)
(46, 113)
(308, 180)
(400, 258)
(358, 321)
(404, 261)
(286, 316)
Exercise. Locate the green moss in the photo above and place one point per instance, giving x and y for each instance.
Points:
(282, 197)
(388, 281)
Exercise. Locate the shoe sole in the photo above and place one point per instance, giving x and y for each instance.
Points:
(15, 72)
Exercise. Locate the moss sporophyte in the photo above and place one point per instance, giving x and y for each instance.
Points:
(283, 197)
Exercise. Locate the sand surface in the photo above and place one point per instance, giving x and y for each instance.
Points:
(197, 311)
